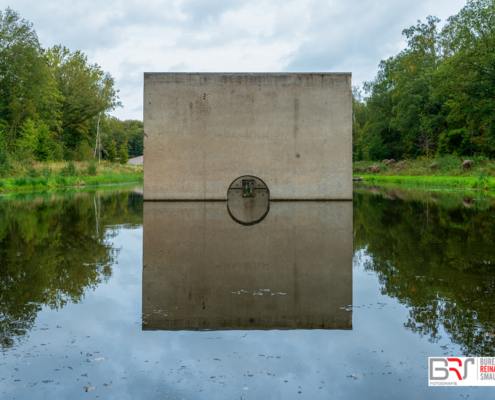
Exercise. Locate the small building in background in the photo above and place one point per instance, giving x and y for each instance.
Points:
(136, 161)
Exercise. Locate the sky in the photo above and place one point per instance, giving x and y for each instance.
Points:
(130, 37)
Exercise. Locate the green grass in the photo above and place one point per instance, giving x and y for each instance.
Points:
(23, 183)
(461, 182)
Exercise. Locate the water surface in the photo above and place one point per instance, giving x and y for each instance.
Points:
(317, 300)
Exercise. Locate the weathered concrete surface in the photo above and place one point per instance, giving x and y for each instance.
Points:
(202, 131)
(202, 270)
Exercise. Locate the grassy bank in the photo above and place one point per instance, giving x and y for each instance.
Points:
(443, 166)
(445, 171)
(59, 175)
(460, 182)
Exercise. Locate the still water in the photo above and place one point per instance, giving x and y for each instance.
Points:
(104, 296)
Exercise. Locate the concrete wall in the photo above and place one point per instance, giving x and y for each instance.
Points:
(202, 270)
(202, 131)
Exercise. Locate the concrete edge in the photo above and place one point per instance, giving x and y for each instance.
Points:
(247, 73)
(224, 200)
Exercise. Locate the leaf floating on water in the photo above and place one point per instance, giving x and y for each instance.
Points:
(89, 389)
(107, 384)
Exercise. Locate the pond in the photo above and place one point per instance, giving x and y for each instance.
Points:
(103, 295)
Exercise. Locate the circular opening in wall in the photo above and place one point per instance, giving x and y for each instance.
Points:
(248, 200)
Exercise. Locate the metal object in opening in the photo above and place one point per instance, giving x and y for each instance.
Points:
(248, 200)
(248, 187)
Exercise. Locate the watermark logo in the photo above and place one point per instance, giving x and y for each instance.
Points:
(461, 371)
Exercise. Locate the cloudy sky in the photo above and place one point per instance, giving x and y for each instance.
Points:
(129, 37)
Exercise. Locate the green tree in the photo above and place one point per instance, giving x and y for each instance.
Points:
(5, 163)
(43, 151)
(467, 79)
(120, 131)
(87, 91)
(437, 95)
(27, 86)
(359, 118)
(378, 135)
(112, 151)
(27, 139)
(124, 153)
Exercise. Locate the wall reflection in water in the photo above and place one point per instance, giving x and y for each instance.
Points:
(202, 270)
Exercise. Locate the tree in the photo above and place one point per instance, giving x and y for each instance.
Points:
(27, 86)
(42, 151)
(26, 140)
(87, 90)
(5, 163)
(120, 131)
(437, 95)
(467, 79)
(124, 153)
(112, 151)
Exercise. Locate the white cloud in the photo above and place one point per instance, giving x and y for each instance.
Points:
(129, 37)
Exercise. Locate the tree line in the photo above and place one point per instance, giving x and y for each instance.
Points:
(435, 97)
(54, 102)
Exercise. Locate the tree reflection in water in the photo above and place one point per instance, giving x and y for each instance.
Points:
(53, 247)
(435, 252)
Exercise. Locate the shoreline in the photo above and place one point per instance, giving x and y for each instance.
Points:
(10, 185)
(457, 182)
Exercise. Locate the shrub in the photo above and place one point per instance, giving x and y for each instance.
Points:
(57, 150)
(92, 169)
(69, 170)
(32, 172)
(5, 163)
(84, 152)
(448, 162)
(124, 153)
(112, 151)
(482, 178)
(47, 172)
(42, 150)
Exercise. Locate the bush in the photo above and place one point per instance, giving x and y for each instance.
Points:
(57, 150)
(42, 150)
(5, 163)
(112, 151)
(84, 152)
(47, 172)
(124, 153)
(32, 172)
(69, 154)
(448, 162)
(69, 170)
(92, 169)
